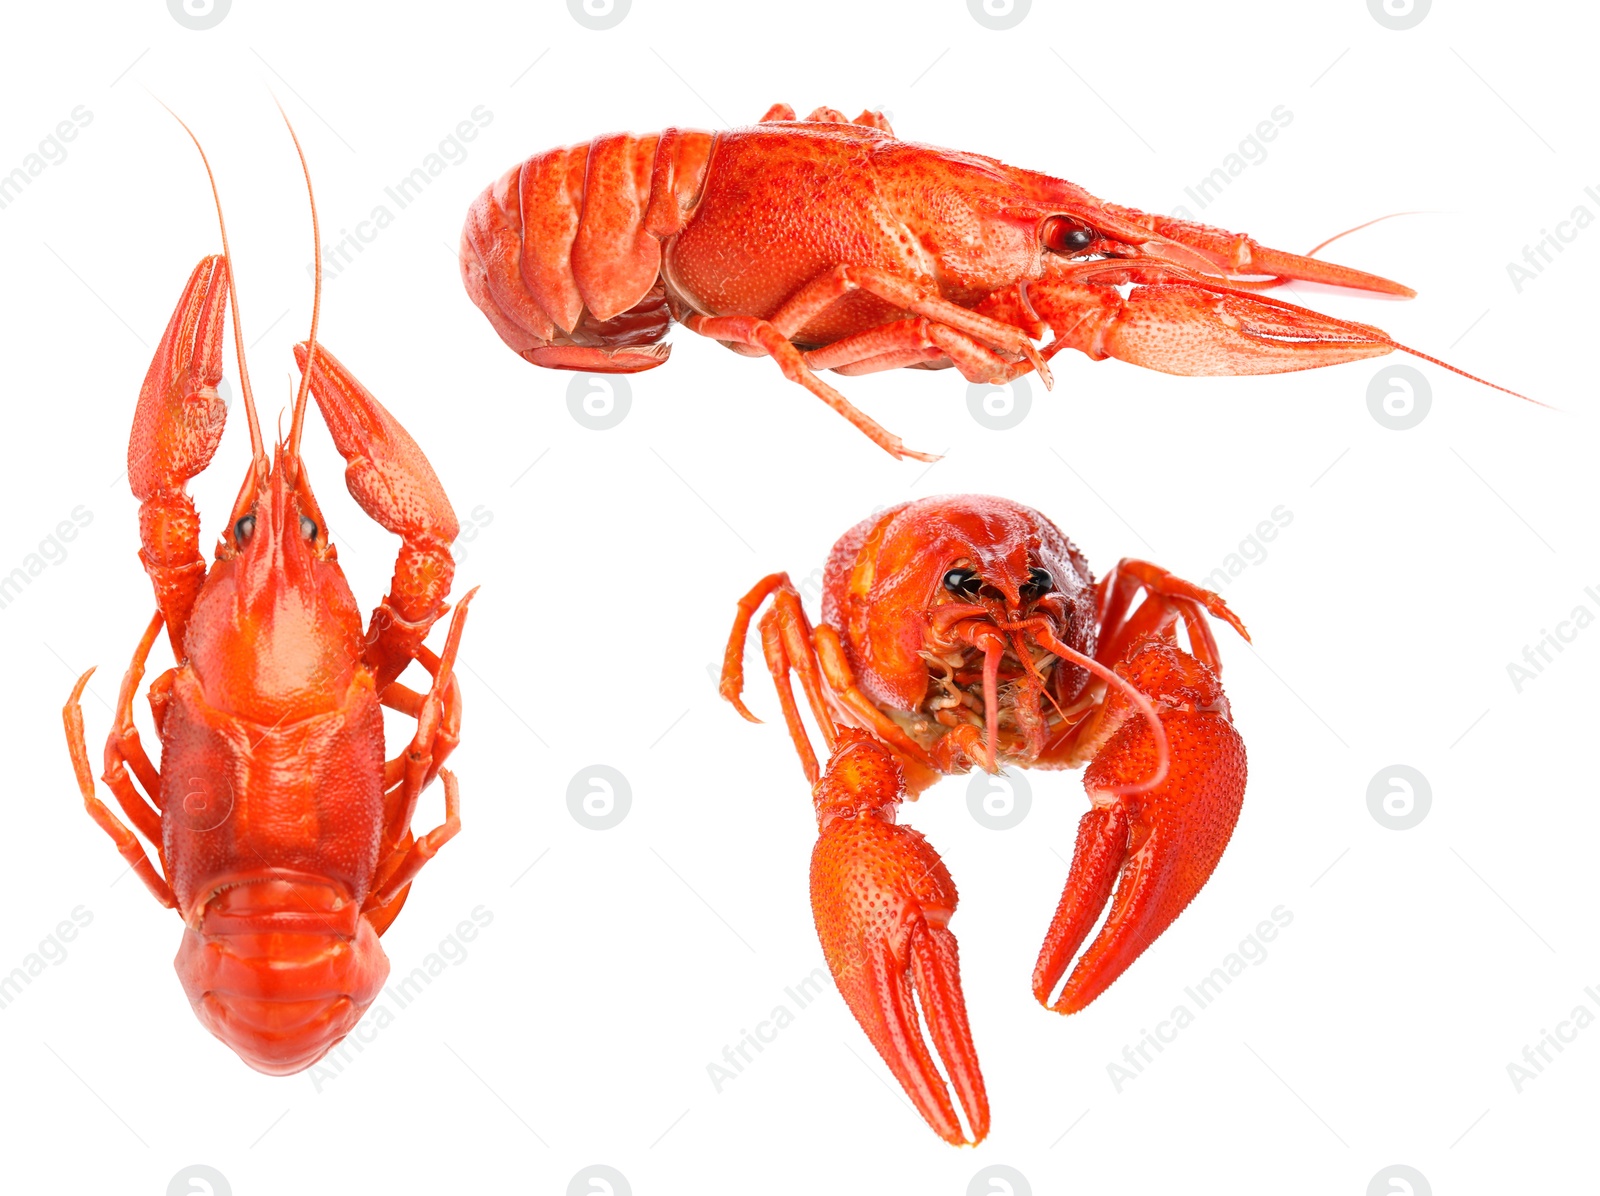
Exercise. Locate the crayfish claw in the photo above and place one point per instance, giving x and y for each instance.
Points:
(1158, 848)
(882, 899)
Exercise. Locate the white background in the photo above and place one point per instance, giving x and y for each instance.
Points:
(579, 1028)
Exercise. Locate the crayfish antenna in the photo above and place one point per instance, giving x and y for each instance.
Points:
(316, 291)
(1114, 681)
(1471, 377)
(1312, 252)
(256, 449)
(1406, 348)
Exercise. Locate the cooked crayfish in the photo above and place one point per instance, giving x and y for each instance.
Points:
(829, 244)
(967, 632)
(282, 832)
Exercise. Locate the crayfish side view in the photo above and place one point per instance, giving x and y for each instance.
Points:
(828, 244)
(967, 632)
(281, 830)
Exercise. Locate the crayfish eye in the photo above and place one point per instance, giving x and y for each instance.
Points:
(308, 527)
(964, 583)
(1039, 583)
(244, 529)
(1067, 236)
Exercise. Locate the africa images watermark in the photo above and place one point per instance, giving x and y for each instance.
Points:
(1540, 654)
(1252, 951)
(1251, 151)
(339, 255)
(1543, 252)
(52, 151)
(397, 995)
(599, 797)
(480, 518)
(737, 1057)
(599, 402)
(1537, 1056)
(51, 951)
(1252, 550)
(52, 550)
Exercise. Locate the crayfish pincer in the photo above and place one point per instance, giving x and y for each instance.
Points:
(967, 632)
(282, 832)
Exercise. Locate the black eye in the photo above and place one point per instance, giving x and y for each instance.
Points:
(308, 527)
(1039, 583)
(1067, 236)
(244, 529)
(964, 582)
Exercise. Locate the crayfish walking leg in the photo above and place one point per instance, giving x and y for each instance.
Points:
(438, 715)
(128, 845)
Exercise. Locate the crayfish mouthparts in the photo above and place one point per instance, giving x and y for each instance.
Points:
(1004, 691)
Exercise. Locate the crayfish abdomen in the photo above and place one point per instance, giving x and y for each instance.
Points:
(281, 969)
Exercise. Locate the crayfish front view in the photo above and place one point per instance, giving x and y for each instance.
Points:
(967, 632)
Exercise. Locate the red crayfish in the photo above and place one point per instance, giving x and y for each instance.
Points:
(829, 244)
(282, 831)
(967, 632)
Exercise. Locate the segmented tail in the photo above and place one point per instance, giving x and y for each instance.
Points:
(562, 253)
